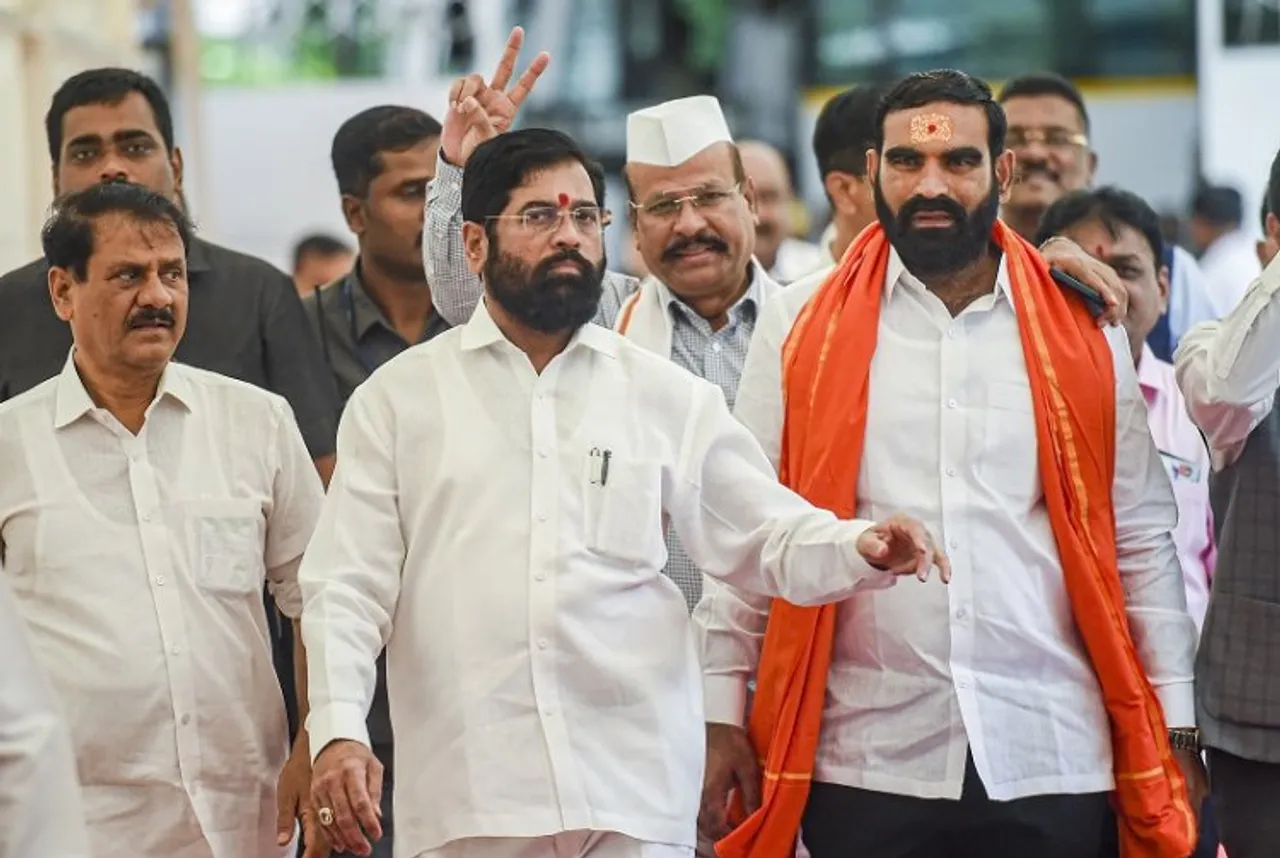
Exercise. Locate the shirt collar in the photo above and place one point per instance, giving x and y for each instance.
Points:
(1149, 378)
(749, 302)
(365, 311)
(897, 269)
(366, 314)
(72, 399)
(483, 332)
(198, 257)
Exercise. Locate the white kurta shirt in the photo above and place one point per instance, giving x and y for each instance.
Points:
(40, 808)
(542, 670)
(139, 562)
(992, 662)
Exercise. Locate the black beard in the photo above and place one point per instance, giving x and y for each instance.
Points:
(546, 302)
(939, 251)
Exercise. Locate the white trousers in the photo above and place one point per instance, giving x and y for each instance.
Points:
(567, 844)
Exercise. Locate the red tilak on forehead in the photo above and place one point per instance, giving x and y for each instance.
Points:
(564, 201)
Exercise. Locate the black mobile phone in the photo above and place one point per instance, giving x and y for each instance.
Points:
(1091, 296)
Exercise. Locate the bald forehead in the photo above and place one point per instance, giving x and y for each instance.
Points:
(936, 127)
(763, 163)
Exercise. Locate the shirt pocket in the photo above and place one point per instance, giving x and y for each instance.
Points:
(228, 545)
(1009, 465)
(623, 506)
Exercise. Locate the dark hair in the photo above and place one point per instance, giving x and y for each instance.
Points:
(1218, 205)
(846, 129)
(67, 236)
(1266, 209)
(360, 141)
(499, 166)
(1046, 83)
(318, 244)
(1272, 197)
(105, 86)
(948, 85)
(1109, 206)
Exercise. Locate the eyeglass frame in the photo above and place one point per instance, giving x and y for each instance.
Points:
(645, 209)
(605, 216)
(1028, 136)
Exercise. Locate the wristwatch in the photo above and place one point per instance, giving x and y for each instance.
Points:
(1185, 739)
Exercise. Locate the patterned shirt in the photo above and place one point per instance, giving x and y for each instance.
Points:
(717, 356)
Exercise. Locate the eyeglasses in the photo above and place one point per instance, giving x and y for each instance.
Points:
(668, 208)
(588, 220)
(1054, 138)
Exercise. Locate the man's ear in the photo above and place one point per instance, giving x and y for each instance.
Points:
(1004, 173)
(61, 283)
(353, 214)
(475, 242)
(179, 170)
(836, 184)
(1162, 288)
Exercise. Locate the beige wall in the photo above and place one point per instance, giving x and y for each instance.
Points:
(42, 42)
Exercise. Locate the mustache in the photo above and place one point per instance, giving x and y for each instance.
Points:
(702, 241)
(932, 205)
(148, 316)
(543, 270)
(1027, 169)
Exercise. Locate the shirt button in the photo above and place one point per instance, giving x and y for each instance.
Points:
(159, 580)
(539, 577)
(175, 650)
(961, 613)
(951, 472)
(953, 543)
(542, 516)
(716, 347)
(542, 644)
(953, 333)
(951, 403)
(542, 454)
(185, 720)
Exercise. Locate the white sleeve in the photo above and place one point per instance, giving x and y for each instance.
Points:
(41, 811)
(1145, 515)
(743, 527)
(1229, 370)
(296, 498)
(350, 575)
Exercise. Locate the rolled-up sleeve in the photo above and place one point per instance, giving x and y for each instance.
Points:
(350, 575)
(1145, 515)
(296, 368)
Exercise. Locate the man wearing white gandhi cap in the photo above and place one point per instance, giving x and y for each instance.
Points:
(693, 220)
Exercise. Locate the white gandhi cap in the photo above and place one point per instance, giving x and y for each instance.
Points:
(674, 131)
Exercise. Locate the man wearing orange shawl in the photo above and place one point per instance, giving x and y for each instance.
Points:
(1025, 710)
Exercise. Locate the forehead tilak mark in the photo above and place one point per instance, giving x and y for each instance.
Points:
(928, 127)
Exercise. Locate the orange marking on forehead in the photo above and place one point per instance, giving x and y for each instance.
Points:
(928, 127)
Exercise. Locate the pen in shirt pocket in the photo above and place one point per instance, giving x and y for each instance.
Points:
(599, 466)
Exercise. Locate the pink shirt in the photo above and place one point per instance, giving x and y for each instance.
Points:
(1187, 461)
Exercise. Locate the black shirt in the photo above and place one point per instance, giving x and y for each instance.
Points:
(244, 320)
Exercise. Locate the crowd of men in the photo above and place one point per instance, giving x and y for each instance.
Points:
(462, 545)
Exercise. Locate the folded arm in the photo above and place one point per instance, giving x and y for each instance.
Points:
(1229, 370)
